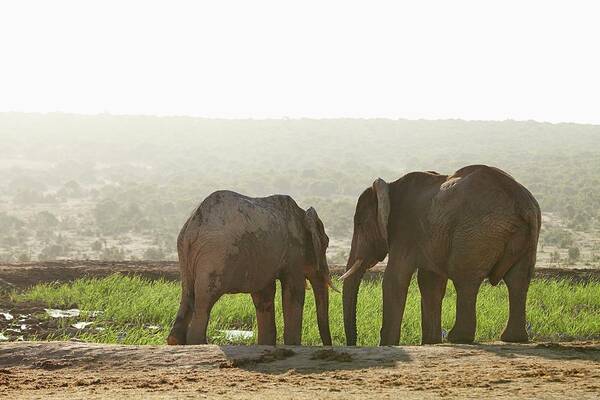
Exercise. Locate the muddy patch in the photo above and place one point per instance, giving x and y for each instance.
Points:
(51, 365)
(583, 347)
(29, 320)
(331, 355)
(267, 357)
(22, 321)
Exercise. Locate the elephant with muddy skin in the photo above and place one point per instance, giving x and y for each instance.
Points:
(238, 244)
(477, 223)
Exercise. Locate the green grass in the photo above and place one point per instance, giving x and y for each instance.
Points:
(557, 310)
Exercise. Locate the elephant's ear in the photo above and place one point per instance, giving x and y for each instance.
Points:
(312, 220)
(382, 191)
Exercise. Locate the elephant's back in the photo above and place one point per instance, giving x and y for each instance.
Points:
(485, 189)
(224, 210)
(236, 238)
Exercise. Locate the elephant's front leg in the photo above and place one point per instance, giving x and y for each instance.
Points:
(433, 288)
(396, 281)
(293, 292)
(265, 314)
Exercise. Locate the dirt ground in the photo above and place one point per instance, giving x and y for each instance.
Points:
(81, 370)
(19, 276)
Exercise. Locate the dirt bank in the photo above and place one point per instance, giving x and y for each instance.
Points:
(27, 274)
(81, 370)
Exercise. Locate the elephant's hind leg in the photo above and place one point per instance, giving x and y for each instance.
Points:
(432, 287)
(466, 311)
(517, 281)
(184, 315)
(203, 303)
(264, 302)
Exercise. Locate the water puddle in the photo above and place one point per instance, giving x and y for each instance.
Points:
(81, 325)
(24, 317)
(7, 316)
(56, 313)
(28, 321)
(235, 334)
(153, 327)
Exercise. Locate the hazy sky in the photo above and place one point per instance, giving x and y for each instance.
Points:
(420, 59)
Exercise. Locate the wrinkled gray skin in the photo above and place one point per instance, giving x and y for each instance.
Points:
(238, 244)
(477, 223)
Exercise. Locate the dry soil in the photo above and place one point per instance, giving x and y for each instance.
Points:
(82, 370)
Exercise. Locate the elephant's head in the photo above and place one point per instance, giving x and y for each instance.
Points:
(317, 270)
(369, 246)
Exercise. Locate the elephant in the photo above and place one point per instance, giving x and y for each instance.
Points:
(474, 224)
(237, 244)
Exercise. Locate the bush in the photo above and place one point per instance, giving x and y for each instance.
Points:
(112, 254)
(45, 220)
(51, 252)
(24, 257)
(574, 254)
(154, 254)
(97, 245)
(556, 236)
(555, 257)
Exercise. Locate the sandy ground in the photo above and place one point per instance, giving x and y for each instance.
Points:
(81, 370)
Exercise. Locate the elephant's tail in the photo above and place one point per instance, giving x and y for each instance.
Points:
(178, 333)
(187, 270)
(522, 246)
(535, 225)
(187, 274)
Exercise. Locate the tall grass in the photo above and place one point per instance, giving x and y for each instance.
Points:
(132, 309)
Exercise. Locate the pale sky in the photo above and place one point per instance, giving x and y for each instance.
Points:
(421, 59)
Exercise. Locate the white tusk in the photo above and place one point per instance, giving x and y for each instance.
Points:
(330, 284)
(352, 270)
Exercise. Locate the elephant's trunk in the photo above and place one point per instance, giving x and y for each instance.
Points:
(321, 291)
(350, 295)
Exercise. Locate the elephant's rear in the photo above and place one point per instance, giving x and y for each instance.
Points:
(531, 213)
(213, 238)
(521, 248)
(517, 264)
(188, 252)
(186, 306)
(496, 223)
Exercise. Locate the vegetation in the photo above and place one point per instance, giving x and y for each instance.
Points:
(138, 311)
(120, 187)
